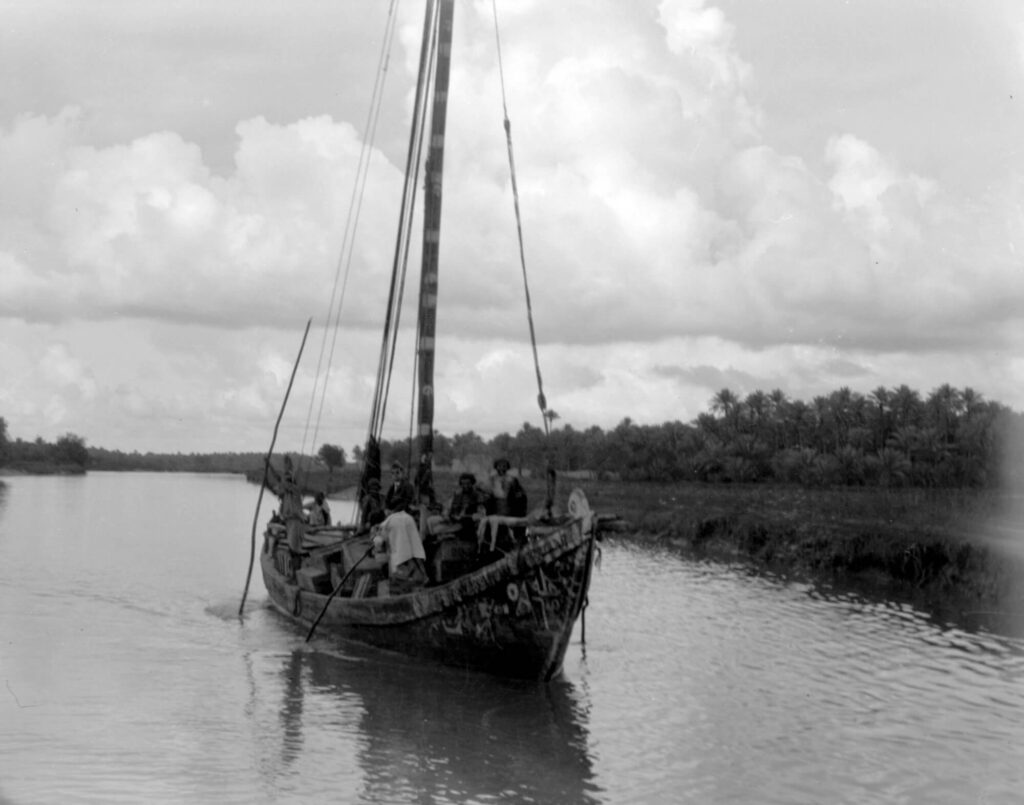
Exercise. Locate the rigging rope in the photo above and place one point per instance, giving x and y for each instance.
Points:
(404, 239)
(541, 400)
(340, 283)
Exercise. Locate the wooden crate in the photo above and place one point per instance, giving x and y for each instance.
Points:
(314, 579)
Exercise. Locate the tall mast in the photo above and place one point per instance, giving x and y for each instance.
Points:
(427, 326)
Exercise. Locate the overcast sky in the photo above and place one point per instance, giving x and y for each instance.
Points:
(796, 194)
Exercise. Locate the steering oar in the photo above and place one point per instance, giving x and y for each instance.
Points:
(337, 590)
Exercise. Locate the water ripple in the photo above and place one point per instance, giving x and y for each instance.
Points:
(129, 678)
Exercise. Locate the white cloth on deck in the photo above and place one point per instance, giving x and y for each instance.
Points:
(403, 539)
(490, 525)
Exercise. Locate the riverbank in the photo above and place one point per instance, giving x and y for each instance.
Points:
(959, 548)
(337, 485)
(41, 468)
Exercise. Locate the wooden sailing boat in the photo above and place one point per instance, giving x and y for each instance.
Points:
(509, 612)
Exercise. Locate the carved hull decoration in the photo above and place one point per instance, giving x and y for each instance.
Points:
(513, 617)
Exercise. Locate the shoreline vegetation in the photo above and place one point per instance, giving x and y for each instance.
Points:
(956, 551)
(894, 492)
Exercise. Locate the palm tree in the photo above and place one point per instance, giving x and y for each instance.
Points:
(709, 461)
(707, 424)
(882, 400)
(851, 465)
(822, 422)
(893, 467)
(945, 405)
(842, 405)
(906, 406)
(757, 406)
(728, 405)
(777, 413)
(802, 423)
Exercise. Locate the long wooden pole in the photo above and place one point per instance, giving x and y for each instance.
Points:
(266, 464)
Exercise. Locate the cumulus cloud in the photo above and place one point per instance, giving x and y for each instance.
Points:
(665, 234)
(146, 229)
(644, 168)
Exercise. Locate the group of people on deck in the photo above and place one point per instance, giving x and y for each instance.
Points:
(390, 515)
(396, 530)
(503, 496)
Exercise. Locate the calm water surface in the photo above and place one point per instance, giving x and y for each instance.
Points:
(126, 676)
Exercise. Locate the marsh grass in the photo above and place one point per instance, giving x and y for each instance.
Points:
(947, 542)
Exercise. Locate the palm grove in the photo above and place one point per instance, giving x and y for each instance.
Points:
(890, 437)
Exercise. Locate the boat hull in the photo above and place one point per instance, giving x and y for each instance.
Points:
(512, 618)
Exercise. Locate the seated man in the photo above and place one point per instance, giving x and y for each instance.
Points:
(401, 495)
(467, 504)
(319, 511)
(400, 538)
(507, 505)
(371, 507)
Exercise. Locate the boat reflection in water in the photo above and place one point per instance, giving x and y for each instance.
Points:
(433, 734)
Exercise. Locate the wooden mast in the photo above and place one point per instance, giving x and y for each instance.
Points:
(431, 250)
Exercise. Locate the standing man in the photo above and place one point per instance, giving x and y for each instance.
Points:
(291, 503)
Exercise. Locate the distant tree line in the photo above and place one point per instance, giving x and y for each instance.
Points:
(67, 454)
(890, 437)
(116, 460)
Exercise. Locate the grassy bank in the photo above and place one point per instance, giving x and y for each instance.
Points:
(954, 545)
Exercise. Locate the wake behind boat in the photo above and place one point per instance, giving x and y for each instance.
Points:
(489, 587)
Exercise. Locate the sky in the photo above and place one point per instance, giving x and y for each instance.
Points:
(798, 194)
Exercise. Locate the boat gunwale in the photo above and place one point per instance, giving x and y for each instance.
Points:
(408, 607)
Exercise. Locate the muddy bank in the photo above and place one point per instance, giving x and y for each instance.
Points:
(956, 549)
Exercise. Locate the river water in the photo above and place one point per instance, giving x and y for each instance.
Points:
(126, 676)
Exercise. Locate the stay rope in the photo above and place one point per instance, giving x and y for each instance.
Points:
(542, 403)
(541, 400)
(344, 262)
(399, 272)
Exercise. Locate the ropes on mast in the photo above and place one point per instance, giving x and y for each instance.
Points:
(344, 262)
(414, 158)
(541, 400)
